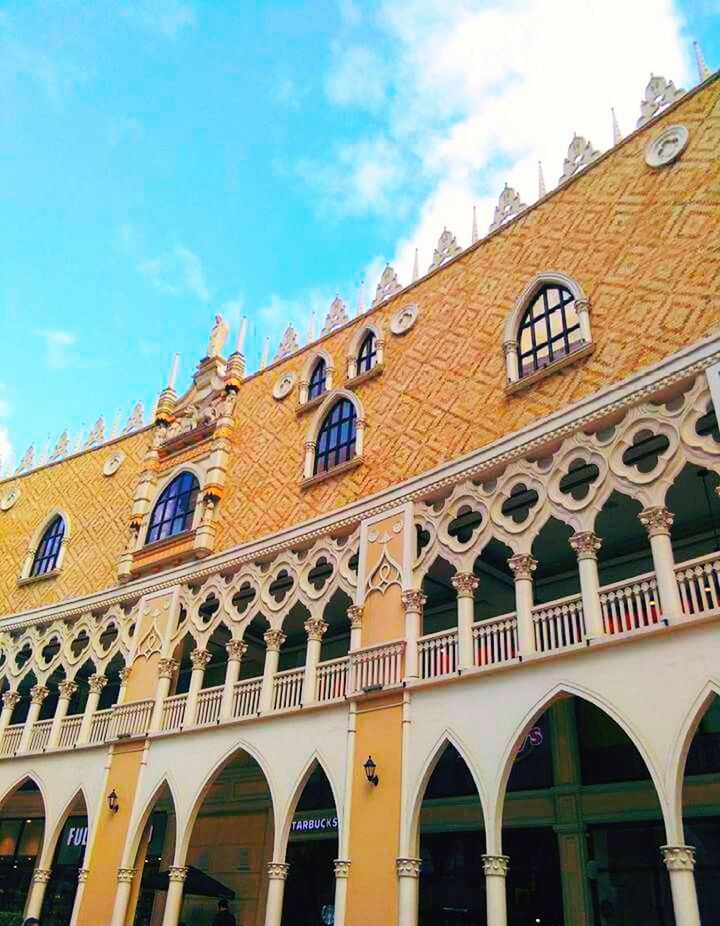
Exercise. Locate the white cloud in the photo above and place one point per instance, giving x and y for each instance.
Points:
(165, 17)
(59, 345)
(357, 77)
(178, 272)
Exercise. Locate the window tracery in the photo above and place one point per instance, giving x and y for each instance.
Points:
(175, 508)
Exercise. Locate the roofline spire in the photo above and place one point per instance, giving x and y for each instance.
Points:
(703, 70)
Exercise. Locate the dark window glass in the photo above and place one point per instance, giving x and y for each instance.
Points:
(367, 355)
(318, 380)
(645, 451)
(549, 328)
(336, 440)
(46, 555)
(173, 512)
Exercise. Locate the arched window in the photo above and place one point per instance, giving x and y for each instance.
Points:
(337, 439)
(549, 328)
(367, 355)
(48, 550)
(173, 511)
(318, 380)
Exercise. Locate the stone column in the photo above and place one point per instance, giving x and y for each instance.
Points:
(465, 584)
(166, 670)
(9, 700)
(38, 693)
(124, 679)
(582, 307)
(67, 690)
(125, 878)
(277, 875)
(496, 868)
(657, 522)
(342, 872)
(523, 565)
(408, 872)
(40, 878)
(586, 544)
(680, 863)
(96, 683)
(315, 628)
(79, 891)
(355, 614)
(310, 446)
(413, 602)
(200, 659)
(274, 639)
(236, 649)
(173, 902)
(512, 364)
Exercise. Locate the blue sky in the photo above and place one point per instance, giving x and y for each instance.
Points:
(163, 160)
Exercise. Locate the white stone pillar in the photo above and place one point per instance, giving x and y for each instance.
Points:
(125, 878)
(680, 863)
(96, 683)
(582, 307)
(67, 690)
(465, 584)
(79, 891)
(9, 700)
(124, 679)
(413, 602)
(173, 902)
(496, 868)
(512, 364)
(586, 544)
(315, 628)
(355, 615)
(40, 878)
(38, 693)
(523, 565)
(166, 670)
(277, 875)
(274, 639)
(342, 872)
(200, 659)
(657, 522)
(408, 872)
(236, 649)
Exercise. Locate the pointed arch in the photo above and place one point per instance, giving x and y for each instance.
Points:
(307, 373)
(282, 832)
(52, 836)
(356, 343)
(36, 779)
(333, 399)
(182, 487)
(132, 845)
(56, 515)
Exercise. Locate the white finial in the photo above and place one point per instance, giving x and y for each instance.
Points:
(78, 441)
(703, 69)
(311, 327)
(361, 298)
(541, 181)
(173, 371)
(264, 358)
(240, 343)
(416, 266)
(42, 459)
(115, 430)
(474, 235)
(617, 134)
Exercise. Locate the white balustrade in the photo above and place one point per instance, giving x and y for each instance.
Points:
(130, 719)
(495, 640)
(246, 697)
(11, 739)
(173, 711)
(208, 705)
(40, 735)
(100, 726)
(699, 584)
(438, 654)
(558, 624)
(331, 679)
(630, 605)
(377, 667)
(287, 688)
(69, 730)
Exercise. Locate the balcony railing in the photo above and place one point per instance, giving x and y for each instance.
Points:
(628, 606)
(208, 705)
(40, 735)
(246, 698)
(173, 712)
(287, 688)
(100, 727)
(377, 667)
(69, 731)
(331, 679)
(438, 654)
(559, 624)
(130, 719)
(11, 739)
(699, 584)
(495, 640)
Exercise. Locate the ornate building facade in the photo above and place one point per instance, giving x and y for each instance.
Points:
(418, 623)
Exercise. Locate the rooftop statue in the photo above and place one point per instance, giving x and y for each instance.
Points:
(218, 336)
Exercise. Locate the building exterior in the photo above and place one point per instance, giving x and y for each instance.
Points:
(418, 623)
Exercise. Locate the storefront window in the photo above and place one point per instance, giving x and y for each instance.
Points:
(20, 842)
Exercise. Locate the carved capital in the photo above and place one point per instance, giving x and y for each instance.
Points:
(10, 699)
(177, 873)
(678, 858)
(582, 305)
(125, 675)
(41, 875)
(167, 668)
(83, 875)
(510, 347)
(522, 565)
(274, 639)
(67, 689)
(200, 659)
(413, 600)
(277, 871)
(342, 867)
(125, 875)
(97, 683)
(496, 865)
(408, 867)
(315, 628)
(465, 584)
(38, 693)
(236, 649)
(656, 521)
(585, 544)
(355, 615)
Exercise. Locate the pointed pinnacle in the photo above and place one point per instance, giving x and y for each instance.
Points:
(703, 69)
(311, 328)
(617, 134)
(264, 358)
(361, 298)
(541, 182)
(416, 267)
(474, 235)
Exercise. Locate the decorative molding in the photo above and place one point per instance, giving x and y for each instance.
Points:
(522, 565)
(585, 544)
(113, 463)
(404, 319)
(41, 875)
(667, 147)
(10, 498)
(336, 317)
(355, 616)
(177, 873)
(200, 659)
(96, 683)
(236, 649)
(277, 871)
(408, 867)
(67, 689)
(657, 521)
(38, 693)
(289, 344)
(387, 286)
(509, 205)
(315, 628)
(447, 248)
(82, 875)
(10, 699)
(678, 858)
(580, 154)
(496, 865)
(167, 668)
(284, 386)
(465, 584)
(274, 639)
(125, 875)
(659, 93)
(413, 600)
(341, 867)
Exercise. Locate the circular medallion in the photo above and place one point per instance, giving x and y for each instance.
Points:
(113, 463)
(284, 386)
(403, 320)
(9, 499)
(667, 146)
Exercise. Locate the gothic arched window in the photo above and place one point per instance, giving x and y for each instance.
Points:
(48, 550)
(367, 355)
(174, 509)
(337, 439)
(318, 380)
(549, 329)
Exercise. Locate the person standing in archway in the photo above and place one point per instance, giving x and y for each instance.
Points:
(224, 917)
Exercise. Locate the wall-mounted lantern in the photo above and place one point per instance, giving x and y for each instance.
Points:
(370, 771)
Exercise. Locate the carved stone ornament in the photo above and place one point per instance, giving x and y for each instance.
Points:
(61, 449)
(96, 435)
(236, 649)
(667, 146)
(408, 867)
(10, 699)
(523, 565)
(387, 286)
(447, 248)
(167, 668)
(278, 871)
(509, 205)
(125, 875)
(678, 858)
(656, 521)
(113, 463)
(289, 343)
(496, 865)
(27, 461)
(342, 867)
(96, 683)
(9, 499)
(135, 420)
(336, 317)
(580, 154)
(218, 336)
(413, 600)
(402, 321)
(151, 644)
(585, 544)
(83, 875)
(465, 584)
(125, 675)
(659, 93)
(315, 628)
(274, 639)
(67, 689)
(41, 875)
(200, 659)
(355, 615)
(177, 873)
(38, 693)
(284, 386)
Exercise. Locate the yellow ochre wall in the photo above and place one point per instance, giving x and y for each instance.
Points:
(639, 241)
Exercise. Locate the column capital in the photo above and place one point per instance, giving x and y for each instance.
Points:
(342, 867)
(315, 628)
(413, 600)
(678, 858)
(585, 544)
(465, 584)
(522, 565)
(83, 875)
(167, 667)
(657, 520)
(177, 873)
(274, 639)
(38, 693)
(496, 865)
(97, 683)
(408, 867)
(200, 659)
(10, 699)
(41, 875)
(510, 347)
(277, 871)
(236, 649)
(67, 689)
(125, 875)
(355, 616)
(125, 675)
